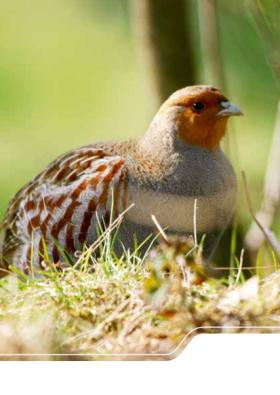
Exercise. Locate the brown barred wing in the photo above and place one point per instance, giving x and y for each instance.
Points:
(59, 213)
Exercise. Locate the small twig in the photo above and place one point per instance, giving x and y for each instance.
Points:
(268, 234)
(194, 222)
(240, 267)
(161, 231)
(226, 268)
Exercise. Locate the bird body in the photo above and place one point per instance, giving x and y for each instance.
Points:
(178, 160)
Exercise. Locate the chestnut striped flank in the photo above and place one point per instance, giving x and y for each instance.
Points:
(44, 225)
(125, 193)
(33, 224)
(106, 182)
(80, 188)
(70, 247)
(116, 198)
(88, 214)
(61, 205)
(58, 226)
(60, 174)
(59, 201)
(30, 205)
(55, 254)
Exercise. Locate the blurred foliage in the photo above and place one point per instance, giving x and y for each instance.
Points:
(70, 75)
(266, 15)
(67, 76)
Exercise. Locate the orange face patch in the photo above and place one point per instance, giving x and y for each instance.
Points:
(204, 130)
(201, 127)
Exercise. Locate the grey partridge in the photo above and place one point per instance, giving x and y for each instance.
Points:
(178, 160)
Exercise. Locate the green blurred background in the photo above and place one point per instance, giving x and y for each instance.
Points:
(71, 74)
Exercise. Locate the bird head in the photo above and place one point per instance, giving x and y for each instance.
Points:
(200, 113)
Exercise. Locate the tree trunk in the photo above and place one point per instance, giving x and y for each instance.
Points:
(163, 31)
(209, 38)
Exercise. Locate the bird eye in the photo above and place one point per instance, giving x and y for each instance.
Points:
(198, 106)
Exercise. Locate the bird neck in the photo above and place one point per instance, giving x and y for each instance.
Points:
(163, 139)
(158, 141)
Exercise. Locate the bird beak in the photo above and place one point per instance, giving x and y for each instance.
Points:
(228, 109)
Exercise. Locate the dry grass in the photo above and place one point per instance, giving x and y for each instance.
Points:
(129, 309)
